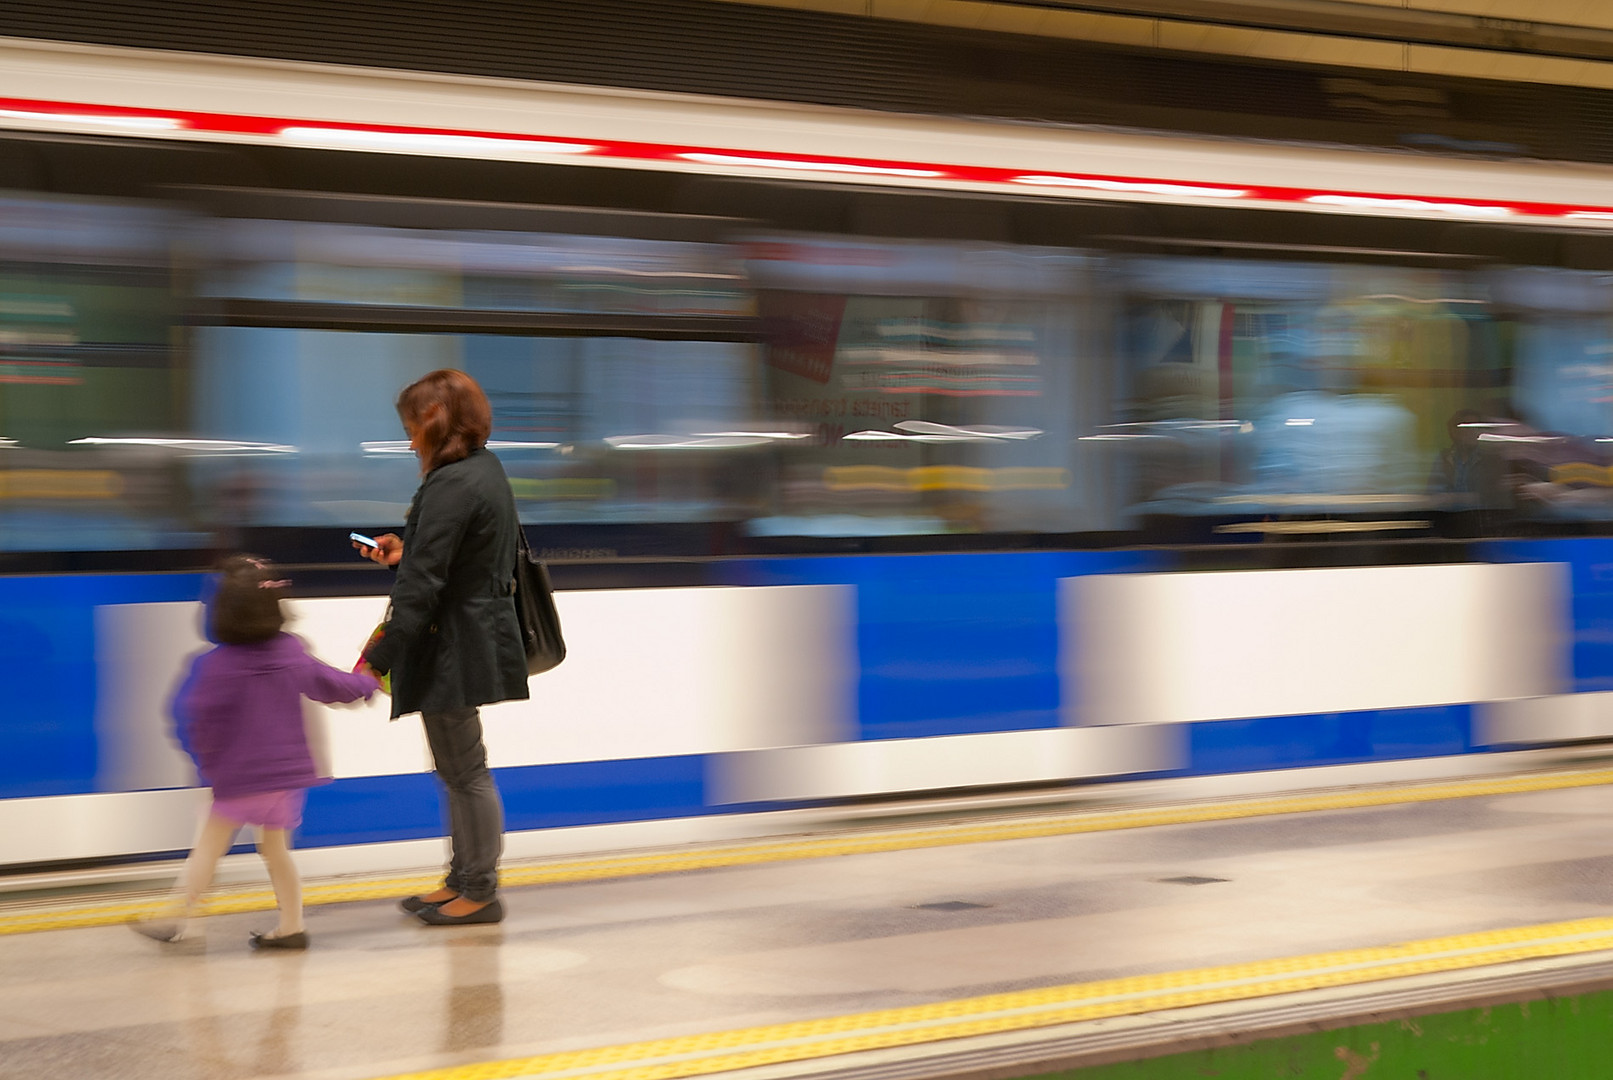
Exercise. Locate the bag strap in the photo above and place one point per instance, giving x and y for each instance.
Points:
(523, 557)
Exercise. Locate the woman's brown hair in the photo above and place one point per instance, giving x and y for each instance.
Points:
(449, 414)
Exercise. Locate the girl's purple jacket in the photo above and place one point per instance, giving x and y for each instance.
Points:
(238, 714)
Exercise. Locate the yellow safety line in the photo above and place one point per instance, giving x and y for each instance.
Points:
(722, 1051)
(102, 913)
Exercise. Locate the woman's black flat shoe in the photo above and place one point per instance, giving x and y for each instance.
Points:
(298, 940)
(491, 913)
(414, 905)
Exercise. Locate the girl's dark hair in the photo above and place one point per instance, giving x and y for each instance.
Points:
(245, 606)
(449, 413)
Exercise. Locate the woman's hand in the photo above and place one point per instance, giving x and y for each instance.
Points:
(388, 550)
(382, 682)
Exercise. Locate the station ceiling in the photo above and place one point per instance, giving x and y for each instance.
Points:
(1451, 80)
(1561, 42)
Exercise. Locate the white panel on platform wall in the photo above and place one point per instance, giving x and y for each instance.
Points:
(786, 664)
(647, 673)
(359, 738)
(1166, 648)
(1558, 718)
(141, 651)
(851, 769)
(66, 827)
(658, 672)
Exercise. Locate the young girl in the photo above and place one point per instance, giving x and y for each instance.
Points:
(239, 716)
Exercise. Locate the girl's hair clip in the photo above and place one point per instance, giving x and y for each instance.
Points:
(281, 584)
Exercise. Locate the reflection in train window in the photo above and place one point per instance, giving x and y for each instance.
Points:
(1300, 388)
(934, 387)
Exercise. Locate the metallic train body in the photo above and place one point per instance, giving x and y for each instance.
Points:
(762, 682)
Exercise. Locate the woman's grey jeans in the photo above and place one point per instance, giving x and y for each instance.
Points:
(475, 815)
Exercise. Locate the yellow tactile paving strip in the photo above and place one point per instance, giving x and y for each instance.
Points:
(700, 1055)
(26, 918)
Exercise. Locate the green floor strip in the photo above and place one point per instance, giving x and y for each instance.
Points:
(1565, 1038)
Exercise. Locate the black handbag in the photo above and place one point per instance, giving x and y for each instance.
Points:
(534, 607)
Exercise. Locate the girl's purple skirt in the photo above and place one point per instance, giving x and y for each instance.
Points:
(269, 809)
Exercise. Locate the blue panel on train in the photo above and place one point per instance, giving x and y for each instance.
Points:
(1590, 562)
(371, 809)
(48, 677)
(1288, 742)
(957, 644)
(953, 644)
(596, 792)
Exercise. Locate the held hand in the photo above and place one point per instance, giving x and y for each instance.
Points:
(382, 682)
(387, 552)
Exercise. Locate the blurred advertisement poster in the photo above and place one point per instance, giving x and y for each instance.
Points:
(802, 331)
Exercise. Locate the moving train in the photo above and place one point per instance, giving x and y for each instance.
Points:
(872, 454)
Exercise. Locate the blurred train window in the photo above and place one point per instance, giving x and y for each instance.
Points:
(1554, 446)
(927, 388)
(1293, 388)
(183, 375)
(88, 360)
(593, 350)
(567, 415)
(324, 262)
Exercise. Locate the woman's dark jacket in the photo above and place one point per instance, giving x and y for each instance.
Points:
(453, 640)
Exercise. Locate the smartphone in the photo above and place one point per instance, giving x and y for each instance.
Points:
(367, 541)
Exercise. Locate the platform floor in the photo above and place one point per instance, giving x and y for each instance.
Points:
(961, 938)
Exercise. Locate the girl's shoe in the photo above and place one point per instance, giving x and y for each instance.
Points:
(167, 932)
(491, 912)
(299, 940)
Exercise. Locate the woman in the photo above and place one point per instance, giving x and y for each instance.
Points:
(453, 642)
